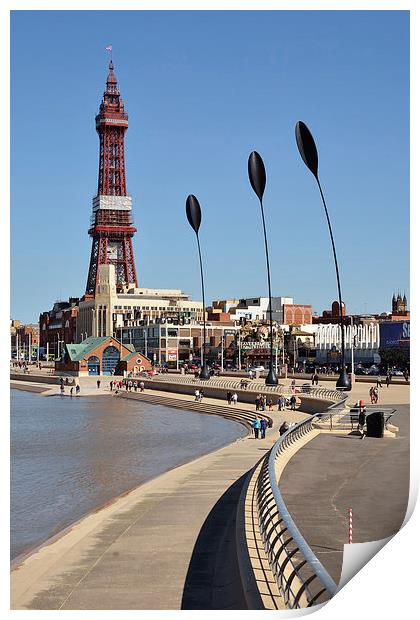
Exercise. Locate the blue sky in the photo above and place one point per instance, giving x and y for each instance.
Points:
(202, 90)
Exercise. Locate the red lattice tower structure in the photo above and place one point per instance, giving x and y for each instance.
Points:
(112, 222)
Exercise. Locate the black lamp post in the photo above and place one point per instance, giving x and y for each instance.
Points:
(257, 178)
(194, 218)
(307, 149)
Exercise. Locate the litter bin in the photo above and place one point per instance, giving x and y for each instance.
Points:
(375, 424)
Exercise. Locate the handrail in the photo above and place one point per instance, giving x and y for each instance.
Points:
(302, 579)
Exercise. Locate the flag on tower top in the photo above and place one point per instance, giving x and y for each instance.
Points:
(109, 48)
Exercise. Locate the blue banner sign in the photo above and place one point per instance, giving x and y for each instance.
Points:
(395, 334)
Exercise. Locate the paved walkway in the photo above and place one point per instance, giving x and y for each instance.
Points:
(333, 473)
(168, 545)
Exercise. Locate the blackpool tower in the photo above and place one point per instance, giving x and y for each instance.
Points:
(111, 222)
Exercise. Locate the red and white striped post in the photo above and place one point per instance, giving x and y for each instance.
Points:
(350, 526)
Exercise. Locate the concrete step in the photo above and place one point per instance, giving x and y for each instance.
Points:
(237, 414)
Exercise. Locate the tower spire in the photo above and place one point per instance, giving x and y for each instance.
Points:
(112, 223)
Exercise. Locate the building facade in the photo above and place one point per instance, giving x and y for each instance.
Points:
(58, 326)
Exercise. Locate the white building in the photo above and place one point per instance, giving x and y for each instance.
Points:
(257, 308)
(364, 339)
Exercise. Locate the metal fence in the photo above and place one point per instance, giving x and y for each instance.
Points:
(302, 579)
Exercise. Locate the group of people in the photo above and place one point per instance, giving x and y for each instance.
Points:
(232, 399)
(260, 426)
(262, 403)
(198, 395)
(73, 388)
(128, 384)
(315, 378)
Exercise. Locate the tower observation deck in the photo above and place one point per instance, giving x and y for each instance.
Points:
(111, 222)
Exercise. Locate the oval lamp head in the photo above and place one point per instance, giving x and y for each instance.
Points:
(256, 173)
(307, 147)
(193, 212)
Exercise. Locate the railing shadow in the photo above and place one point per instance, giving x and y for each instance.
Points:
(213, 579)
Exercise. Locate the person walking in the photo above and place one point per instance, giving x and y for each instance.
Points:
(200, 396)
(293, 402)
(234, 398)
(141, 386)
(263, 426)
(362, 421)
(98, 383)
(313, 378)
(71, 391)
(256, 425)
(281, 402)
(270, 404)
(388, 380)
(316, 378)
(111, 385)
(379, 381)
(376, 395)
(229, 397)
(257, 403)
(77, 390)
(196, 395)
(264, 402)
(62, 389)
(284, 427)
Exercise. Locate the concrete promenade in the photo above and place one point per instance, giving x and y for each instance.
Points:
(170, 544)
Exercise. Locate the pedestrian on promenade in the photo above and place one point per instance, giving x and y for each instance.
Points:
(98, 383)
(263, 426)
(257, 403)
(67, 381)
(77, 390)
(71, 391)
(62, 389)
(388, 380)
(270, 404)
(229, 397)
(313, 378)
(141, 386)
(200, 395)
(375, 394)
(135, 385)
(111, 385)
(379, 381)
(263, 402)
(234, 398)
(281, 402)
(316, 378)
(362, 421)
(284, 427)
(196, 395)
(372, 395)
(293, 402)
(256, 425)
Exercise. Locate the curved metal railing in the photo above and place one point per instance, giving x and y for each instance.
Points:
(302, 579)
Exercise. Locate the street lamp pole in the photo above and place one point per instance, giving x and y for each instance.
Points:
(307, 149)
(194, 218)
(257, 178)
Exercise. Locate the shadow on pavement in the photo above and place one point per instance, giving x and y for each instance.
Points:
(213, 579)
